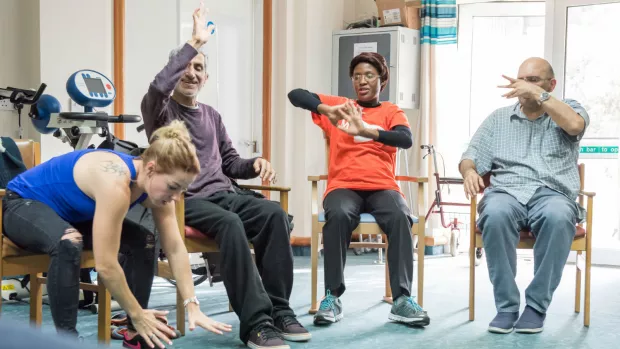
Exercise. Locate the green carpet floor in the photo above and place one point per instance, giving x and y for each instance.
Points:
(365, 324)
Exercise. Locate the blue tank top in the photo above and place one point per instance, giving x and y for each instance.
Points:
(53, 184)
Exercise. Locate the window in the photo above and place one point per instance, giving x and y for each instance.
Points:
(589, 73)
(494, 39)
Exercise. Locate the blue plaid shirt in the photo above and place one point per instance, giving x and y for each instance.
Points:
(524, 155)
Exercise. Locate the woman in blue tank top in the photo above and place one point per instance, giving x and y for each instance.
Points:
(80, 200)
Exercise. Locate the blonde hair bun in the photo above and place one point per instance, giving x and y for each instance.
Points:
(172, 148)
(175, 130)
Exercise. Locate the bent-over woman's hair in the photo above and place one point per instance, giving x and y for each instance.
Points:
(172, 150)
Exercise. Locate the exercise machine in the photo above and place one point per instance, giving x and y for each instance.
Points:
(437, 206)
(89, 89)
(17, 98)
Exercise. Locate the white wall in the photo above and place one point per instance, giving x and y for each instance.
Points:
(151, 31)
(74, 35)
(19, 68)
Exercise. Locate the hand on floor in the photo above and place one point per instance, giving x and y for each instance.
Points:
(197, 317)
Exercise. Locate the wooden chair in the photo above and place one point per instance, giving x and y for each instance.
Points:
(581, 243)
(196, 242)
(15, 261)
(367, 226)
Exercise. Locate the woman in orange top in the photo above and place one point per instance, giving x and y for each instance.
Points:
(363, 139)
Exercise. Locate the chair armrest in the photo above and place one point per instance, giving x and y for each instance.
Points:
(317, 178)
(412, 179)
(264, 187)
(587, 193)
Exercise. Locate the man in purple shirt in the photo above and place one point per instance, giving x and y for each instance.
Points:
(213, 207)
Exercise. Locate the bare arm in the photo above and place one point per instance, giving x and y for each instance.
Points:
(112, 199)
(172, 244)
(466, 166)
(564, 116)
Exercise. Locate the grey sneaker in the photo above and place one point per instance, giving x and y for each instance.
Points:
(266, 336)
(330, 310)
(407, 311)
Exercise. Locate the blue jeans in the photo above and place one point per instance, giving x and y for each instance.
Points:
(551, 217)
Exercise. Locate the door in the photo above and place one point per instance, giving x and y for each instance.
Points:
(234, 67)
(586, 59)
(494, 39)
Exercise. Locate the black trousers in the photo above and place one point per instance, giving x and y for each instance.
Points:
(342, 215)
(234, 219)
(36, 227)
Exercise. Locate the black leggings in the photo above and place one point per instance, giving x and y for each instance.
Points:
(36, 227)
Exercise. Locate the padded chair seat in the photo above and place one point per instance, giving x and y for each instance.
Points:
(9, 249)
(526, 234)
(194, 233)
(364, 218)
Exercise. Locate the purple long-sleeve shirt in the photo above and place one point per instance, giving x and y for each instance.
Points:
(219, 160)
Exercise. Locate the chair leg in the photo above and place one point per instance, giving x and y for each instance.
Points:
(421, 251)
(314, 256)
(586, 309)
(577, 284)
(180, 314)
(104, 313)
(388, 290)
(472, 277)
(1, 274)
(36, 300)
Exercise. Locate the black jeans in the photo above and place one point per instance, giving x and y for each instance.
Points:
(234, 219)
(36, 227)
(342, 215)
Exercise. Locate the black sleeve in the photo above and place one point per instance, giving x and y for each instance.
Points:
(400, 136)
(305, 99)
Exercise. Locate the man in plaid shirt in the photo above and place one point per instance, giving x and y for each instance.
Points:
(531, 150)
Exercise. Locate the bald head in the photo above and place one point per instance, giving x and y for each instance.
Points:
(536, 66)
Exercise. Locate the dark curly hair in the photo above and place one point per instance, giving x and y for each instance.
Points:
(374, 59)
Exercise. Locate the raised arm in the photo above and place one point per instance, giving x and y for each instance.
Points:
(156, 100)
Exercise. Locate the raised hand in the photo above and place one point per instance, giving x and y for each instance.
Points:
(201, 32)
(521, 88)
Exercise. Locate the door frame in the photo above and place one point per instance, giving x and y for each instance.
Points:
(555, 51)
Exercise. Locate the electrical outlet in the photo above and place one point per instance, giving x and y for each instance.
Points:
(5, 104)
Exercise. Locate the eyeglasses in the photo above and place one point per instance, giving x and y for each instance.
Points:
(533, 79)
(370, 77)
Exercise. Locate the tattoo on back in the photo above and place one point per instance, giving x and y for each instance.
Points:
(113, 167)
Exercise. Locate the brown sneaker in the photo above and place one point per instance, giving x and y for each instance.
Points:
(265, 335)
(291, 329)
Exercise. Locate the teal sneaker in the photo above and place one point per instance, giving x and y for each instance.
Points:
(330, 310)
(407, 311)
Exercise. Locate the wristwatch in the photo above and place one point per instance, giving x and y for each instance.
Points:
(191, 300)
(543, 97)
